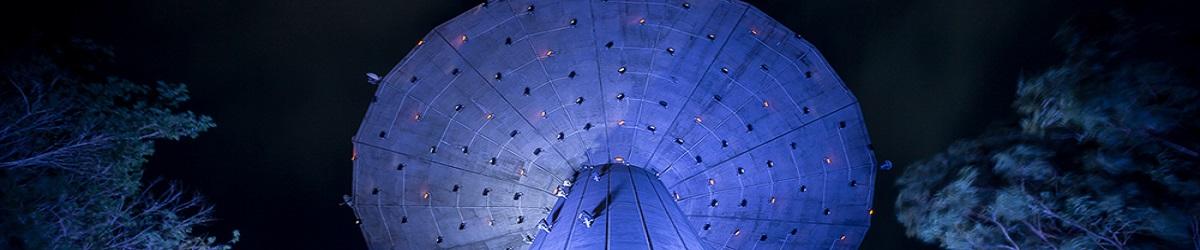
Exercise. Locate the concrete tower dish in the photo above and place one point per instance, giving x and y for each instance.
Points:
(496, 120)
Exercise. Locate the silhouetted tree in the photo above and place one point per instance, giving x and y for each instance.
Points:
(1104, 155)
(72, 146)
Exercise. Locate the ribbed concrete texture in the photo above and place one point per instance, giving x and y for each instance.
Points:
(617, 206)
(470, 138)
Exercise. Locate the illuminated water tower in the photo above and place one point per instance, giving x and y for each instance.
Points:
(700, 124)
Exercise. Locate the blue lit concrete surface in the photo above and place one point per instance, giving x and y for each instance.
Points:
(619, 207)
(494, 122)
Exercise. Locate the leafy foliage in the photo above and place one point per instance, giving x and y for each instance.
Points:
(1104, 155)
(71, 152)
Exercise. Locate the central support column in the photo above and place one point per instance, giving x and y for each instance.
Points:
(616, 206)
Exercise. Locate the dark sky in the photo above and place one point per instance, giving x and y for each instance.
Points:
(284, 82)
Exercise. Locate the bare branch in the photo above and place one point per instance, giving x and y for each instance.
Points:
(1042, 235)
(1196, 232)
(1003, 230)
(1098, 237)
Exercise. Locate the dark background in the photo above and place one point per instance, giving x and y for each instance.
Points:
(284, 82)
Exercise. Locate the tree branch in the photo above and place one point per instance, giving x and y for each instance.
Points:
(1196, 232)
(1099, 238)
(1039, 233)
(1004, 230)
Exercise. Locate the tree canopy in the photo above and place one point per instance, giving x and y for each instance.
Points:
(72, 146)
(1104, 155)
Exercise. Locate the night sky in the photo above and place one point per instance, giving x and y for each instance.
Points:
(284, 82)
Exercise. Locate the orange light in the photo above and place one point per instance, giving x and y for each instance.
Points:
(871, 211)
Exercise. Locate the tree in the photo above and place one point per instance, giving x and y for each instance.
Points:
(72, 146)
(1104, 155)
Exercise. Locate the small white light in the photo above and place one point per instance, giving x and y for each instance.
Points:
(490, 116)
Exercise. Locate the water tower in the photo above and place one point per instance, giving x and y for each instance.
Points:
(547, 124)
